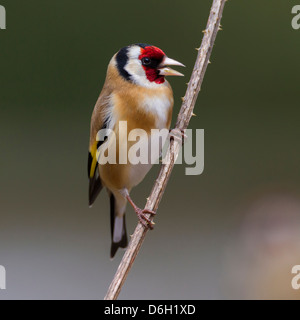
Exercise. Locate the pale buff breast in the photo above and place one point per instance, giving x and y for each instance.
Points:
(160, 106)
(144, 109)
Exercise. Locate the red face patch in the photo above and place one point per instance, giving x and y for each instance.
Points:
(152, 52)
(156, 55)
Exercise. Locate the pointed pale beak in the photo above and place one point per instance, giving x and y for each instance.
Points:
(165, 71)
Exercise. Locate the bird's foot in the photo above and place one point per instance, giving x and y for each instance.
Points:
(141, 213)
(144, 220)
(178, 134)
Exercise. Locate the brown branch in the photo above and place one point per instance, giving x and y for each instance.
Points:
(184, 116)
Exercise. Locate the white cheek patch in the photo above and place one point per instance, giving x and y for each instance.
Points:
(134, 66)
(134, 52)
(135, 69)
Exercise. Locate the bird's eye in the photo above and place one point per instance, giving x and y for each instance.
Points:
(146, 61)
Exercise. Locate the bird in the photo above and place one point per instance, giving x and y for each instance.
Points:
(136, 91)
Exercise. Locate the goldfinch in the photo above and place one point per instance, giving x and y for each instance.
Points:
(135, 91)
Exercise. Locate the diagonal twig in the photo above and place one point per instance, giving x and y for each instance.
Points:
(183, 119)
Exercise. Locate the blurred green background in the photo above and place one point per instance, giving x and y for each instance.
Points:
(232, 232)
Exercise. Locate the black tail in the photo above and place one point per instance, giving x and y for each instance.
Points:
(118, 229)
(95, 186)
